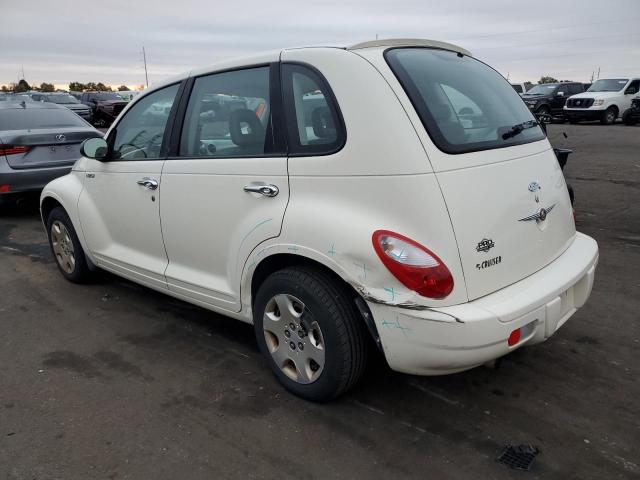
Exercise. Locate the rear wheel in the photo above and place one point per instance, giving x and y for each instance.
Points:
(66, 247)
(311, 333)
(609, 116)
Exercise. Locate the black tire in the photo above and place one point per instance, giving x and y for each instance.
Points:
(342, 329)
(544, 110)
(79, 271)
(609, 116)
(627, 118)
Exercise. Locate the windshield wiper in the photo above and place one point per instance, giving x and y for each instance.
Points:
(518, 128)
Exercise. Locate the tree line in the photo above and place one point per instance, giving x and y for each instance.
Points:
(23, 86)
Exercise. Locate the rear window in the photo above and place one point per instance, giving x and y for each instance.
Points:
(37, 118)
(464, 105)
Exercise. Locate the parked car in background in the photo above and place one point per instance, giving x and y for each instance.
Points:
(70, 102)
(606, 100)
(235, 209)
(549, 98)
(76, 95)
(39, 141)
(105, 106)
(632, 115)
(18, 97)
(521, 88)
(128, 95)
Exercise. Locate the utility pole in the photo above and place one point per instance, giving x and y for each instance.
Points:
(146, 75)
(22, 70)
(598, 72)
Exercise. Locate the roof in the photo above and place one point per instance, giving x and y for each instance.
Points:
(409, 42)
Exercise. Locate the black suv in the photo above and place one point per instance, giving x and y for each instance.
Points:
(105, 106)
(549, 98)
(632, 116)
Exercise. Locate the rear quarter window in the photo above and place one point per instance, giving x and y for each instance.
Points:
(464, 105)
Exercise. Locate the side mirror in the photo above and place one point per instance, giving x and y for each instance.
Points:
(95, 148)
(559, 94)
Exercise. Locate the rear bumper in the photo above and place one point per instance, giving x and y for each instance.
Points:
(584, 113)
(453, 339)
(29, 180)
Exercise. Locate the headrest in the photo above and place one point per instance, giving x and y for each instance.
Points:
(441, 111)
(245, 128)
(322, 122)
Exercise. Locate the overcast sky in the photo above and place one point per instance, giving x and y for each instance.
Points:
(65, 40)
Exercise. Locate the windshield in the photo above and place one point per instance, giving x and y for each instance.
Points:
(542, 89)
(61, 99)
(37, 118)
(608, 85)
(105, 96)
(464, 104)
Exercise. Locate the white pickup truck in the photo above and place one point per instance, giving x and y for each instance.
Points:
(606, 100)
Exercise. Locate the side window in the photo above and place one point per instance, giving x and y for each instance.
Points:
(228, 115)
(140, 132)
(633, 87)
(576, 88)
(314, 125)
(564, 89)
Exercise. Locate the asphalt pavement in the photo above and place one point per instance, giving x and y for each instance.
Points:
(114, 381)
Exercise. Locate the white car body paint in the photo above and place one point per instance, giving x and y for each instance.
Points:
(329, 206)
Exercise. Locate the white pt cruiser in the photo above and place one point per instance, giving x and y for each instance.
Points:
(395, 194)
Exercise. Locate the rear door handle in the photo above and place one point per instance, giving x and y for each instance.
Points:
(148, 183)
(262, 189)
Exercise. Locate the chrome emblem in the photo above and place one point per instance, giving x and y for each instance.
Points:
(540, 215)
(534, 187)
(60, 137)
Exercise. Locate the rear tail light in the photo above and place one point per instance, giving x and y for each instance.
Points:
(4, 188)
(415, 266)
(13, 149)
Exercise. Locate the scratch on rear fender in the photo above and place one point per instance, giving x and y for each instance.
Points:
(406, 305)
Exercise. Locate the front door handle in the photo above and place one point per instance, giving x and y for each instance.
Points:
(262, 189)
(148, 183)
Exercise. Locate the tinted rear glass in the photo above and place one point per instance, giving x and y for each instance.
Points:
(37, 118)
(464, 105)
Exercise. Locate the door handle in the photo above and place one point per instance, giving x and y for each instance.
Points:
(262, 189)
(148, 183)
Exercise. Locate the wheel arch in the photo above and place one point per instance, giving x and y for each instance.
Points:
(278, 261)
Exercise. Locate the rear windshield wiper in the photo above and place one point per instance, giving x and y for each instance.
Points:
(519, 128)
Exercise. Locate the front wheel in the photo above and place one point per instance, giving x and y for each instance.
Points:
(609, 116)
(309, 329)
(628, 118)
(66, 247)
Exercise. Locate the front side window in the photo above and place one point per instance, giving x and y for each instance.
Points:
(139, 135)
(633, 87)
(313, 122)
(464, 105)
(229, 115)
